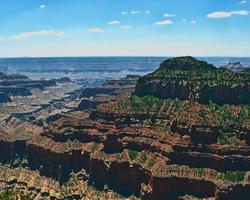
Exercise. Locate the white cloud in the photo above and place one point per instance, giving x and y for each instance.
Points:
(26, 35)
(96, 30)
(169, 15)
(193, 22)
(222, 14)
(43, 6)
(114, 22)
(125, 27)
(164, 22)
(135, 12)
(240, 12)
(2, 38)
(147, 12)
(124, 12)
(242, 2)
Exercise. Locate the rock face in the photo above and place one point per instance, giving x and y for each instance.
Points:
(189, 79)
(91, 103)
(20, 85)
(18, 80)
(235, 67)
(93, 97)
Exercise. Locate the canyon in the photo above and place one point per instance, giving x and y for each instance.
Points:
(133, 139)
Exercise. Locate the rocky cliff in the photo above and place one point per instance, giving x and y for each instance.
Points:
(189, 79)
(235, 67)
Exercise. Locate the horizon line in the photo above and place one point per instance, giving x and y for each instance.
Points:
(125, 56)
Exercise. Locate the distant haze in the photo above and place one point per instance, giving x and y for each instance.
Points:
(94, 67)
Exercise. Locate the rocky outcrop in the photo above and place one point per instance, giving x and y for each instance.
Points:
(189, 79)
(225, 94)
(127, 178)
(111, 87)
(185, 63)
(221, 94)
(50, 163)
(20, 85)
(19, 80)
(235, 67)
(199, 134)
(213, 161)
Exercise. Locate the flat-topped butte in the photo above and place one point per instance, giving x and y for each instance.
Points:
(187, 78)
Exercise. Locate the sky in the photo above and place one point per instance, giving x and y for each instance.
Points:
(43, 28)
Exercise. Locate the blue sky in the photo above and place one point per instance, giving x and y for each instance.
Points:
(124, 28)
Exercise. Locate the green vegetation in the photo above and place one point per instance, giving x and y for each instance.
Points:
(151, 161)
(94, 147)
(228, 138)
(247, 70)
(221, 114)
(227, 118)
(145, 104)
(243, 115)
(11, 195)
(185, 63)
(199, 172)
(151, 104)
(143, 157)
(191, 79)
(195, 71)
(201, 78)
(203, 115)
(224, 116)
(132, 154)
(234, 176)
